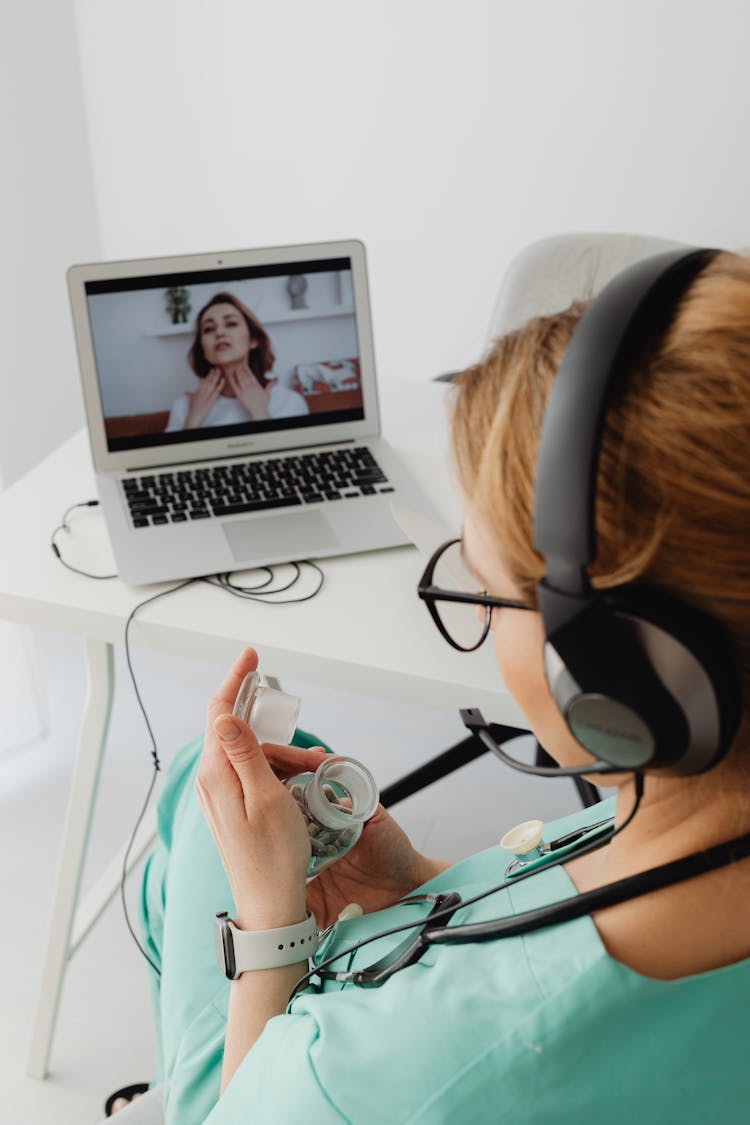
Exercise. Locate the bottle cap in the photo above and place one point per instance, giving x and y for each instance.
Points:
(348, 779)
(272, 714)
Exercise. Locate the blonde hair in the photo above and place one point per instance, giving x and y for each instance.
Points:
(673, 484)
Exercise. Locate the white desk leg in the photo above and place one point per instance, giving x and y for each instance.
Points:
(20, 681)
(81, 804)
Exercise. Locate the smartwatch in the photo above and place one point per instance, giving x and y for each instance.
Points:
(241, 951)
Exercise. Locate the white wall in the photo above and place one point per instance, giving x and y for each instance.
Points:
(48, 222)
(445, 134)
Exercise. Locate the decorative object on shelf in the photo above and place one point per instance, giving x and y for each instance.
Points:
(296, 287)
(326, 376)
(178, 304)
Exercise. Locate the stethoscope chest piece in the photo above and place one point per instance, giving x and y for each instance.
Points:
(525, 841)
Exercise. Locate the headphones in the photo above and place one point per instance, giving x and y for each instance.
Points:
(642, 680)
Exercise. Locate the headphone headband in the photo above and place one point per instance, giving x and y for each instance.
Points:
(630, 308)
(640, 683)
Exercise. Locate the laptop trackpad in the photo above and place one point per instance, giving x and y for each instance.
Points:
(302, 535)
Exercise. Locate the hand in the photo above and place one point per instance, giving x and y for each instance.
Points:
(203, 399)
(255, 821)
(381, 868)
(249, 392)
(262, 838)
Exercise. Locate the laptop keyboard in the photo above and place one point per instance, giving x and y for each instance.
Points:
(231, 489)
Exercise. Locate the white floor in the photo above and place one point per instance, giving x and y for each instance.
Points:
(104, 1038)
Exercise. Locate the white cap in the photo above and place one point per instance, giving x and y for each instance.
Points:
(272, 714)
(524, 837)
(357, 783)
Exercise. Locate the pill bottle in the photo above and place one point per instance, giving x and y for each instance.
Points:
(335, 801)
(270, 713)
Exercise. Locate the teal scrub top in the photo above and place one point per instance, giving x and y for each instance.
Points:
(544, 1027)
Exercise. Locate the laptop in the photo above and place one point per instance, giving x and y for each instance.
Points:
(232, 410)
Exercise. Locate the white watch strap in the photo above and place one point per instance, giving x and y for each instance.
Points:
(270, 949)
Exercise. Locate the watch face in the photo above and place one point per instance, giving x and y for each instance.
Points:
(224, 946)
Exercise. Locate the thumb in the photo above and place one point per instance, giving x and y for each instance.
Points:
(241, 747)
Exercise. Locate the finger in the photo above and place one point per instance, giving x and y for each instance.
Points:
(285, 761)
(243, 753)
(216, 778)
(248, 376)
(246, 662)
(219, 792)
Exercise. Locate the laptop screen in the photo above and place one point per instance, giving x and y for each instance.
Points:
(192, 356)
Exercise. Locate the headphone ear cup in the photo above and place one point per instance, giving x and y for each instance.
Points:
(642, 681)
(614, 703)
(602, 724)
(691, 656)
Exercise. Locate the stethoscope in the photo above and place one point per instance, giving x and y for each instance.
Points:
(531, 855)
(525, 841)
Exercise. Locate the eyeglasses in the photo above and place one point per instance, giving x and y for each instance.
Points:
(449, 589)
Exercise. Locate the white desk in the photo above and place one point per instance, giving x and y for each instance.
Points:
(366, 632)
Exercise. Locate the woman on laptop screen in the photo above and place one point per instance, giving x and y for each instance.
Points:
(232, 356)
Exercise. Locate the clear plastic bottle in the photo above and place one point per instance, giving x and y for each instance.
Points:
(335, 800)
(272, 714)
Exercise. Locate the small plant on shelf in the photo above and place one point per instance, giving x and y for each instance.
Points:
(178, 304)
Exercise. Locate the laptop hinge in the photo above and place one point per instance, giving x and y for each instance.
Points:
(239, 456)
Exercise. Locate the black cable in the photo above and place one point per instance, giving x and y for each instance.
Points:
(259, 592)
(225, 580)
(147, 601)
(154, 756)
(124, 874)
(251, 593)
(64, 526)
